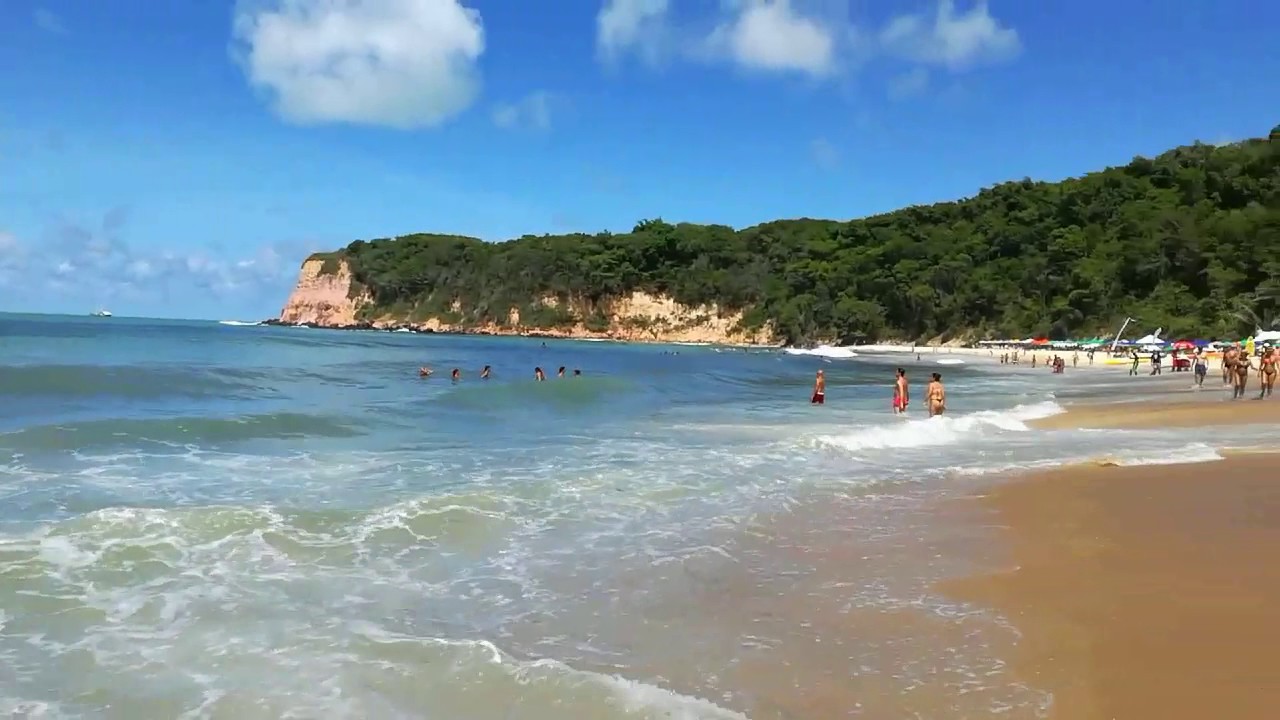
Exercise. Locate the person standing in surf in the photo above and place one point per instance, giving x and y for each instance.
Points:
(1202, 368)
(901, 395)
(935, 396)
(819, 390)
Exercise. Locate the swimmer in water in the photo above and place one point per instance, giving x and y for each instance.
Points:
(424, 371)
(577, 372)
(819, 390)
(484, 374)
(539, 375)
(901, 394)
(456, 375)
(560, 372)
(936, 396)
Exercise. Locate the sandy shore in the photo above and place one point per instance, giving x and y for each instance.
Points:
(1216, 409)
(1145, 592)
(1025, 357)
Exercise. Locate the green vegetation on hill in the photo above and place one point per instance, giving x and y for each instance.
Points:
(1189, 240)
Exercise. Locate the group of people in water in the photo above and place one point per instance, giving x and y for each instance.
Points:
(935, 394)
(456, 374)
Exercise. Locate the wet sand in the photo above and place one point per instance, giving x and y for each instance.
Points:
(1144, 592)
(1214, 409)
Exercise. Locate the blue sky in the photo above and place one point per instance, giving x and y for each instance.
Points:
(180, 158)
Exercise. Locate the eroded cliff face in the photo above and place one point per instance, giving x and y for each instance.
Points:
(322, 298)
(325, 299)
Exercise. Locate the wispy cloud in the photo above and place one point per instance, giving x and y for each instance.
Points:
(84, 264)
(530, 112)
(48, 22)
(908, 84)
(824, 153)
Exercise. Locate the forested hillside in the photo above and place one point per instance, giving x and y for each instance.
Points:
(1189, 240)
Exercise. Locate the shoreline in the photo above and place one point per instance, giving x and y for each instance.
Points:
(1142, 591)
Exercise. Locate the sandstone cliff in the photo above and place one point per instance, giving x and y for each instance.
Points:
(324, 297)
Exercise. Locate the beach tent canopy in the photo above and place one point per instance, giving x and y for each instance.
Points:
(1151, 339)
(1267, 336)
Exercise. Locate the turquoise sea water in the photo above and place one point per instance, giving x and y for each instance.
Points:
(208, 520)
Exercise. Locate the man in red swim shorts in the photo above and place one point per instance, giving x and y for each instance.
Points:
(819, 390)
(900, 394)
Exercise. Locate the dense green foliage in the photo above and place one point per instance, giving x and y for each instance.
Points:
(1189, 240)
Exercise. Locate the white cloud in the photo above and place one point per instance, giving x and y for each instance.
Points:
(395, 63)
(811, 37)
(772, 35)
(638, 26)
(533, 111)
(47, 21)
(908, 84)
(761, 35)
(951, 39)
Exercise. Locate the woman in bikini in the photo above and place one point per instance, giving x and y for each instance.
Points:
(1242, 366)
(936, 396)
(1267, 371)
(900, 394)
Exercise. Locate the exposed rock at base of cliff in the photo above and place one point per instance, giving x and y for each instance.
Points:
(325, 297)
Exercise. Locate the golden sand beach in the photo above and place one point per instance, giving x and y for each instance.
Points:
(1161, 412)
(1150, 591)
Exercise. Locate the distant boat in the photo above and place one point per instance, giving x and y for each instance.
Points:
(101, 313)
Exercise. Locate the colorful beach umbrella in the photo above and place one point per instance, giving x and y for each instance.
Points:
(1184, 345)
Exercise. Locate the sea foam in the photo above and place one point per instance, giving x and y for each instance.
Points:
(896, 432)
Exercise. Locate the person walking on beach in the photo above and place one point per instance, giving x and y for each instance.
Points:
(1133, 369)
(936, 396)
(1228, 364)
(1267, 371)
(1202, 368)
(1242, 366)
(901, 395)
(1156, 359)
(819, 390)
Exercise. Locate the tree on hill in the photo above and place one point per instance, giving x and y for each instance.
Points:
(1183, 241)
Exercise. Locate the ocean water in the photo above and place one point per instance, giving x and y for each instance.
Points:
(209, 520)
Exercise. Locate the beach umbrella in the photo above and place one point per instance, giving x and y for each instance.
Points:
(1184, 345)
